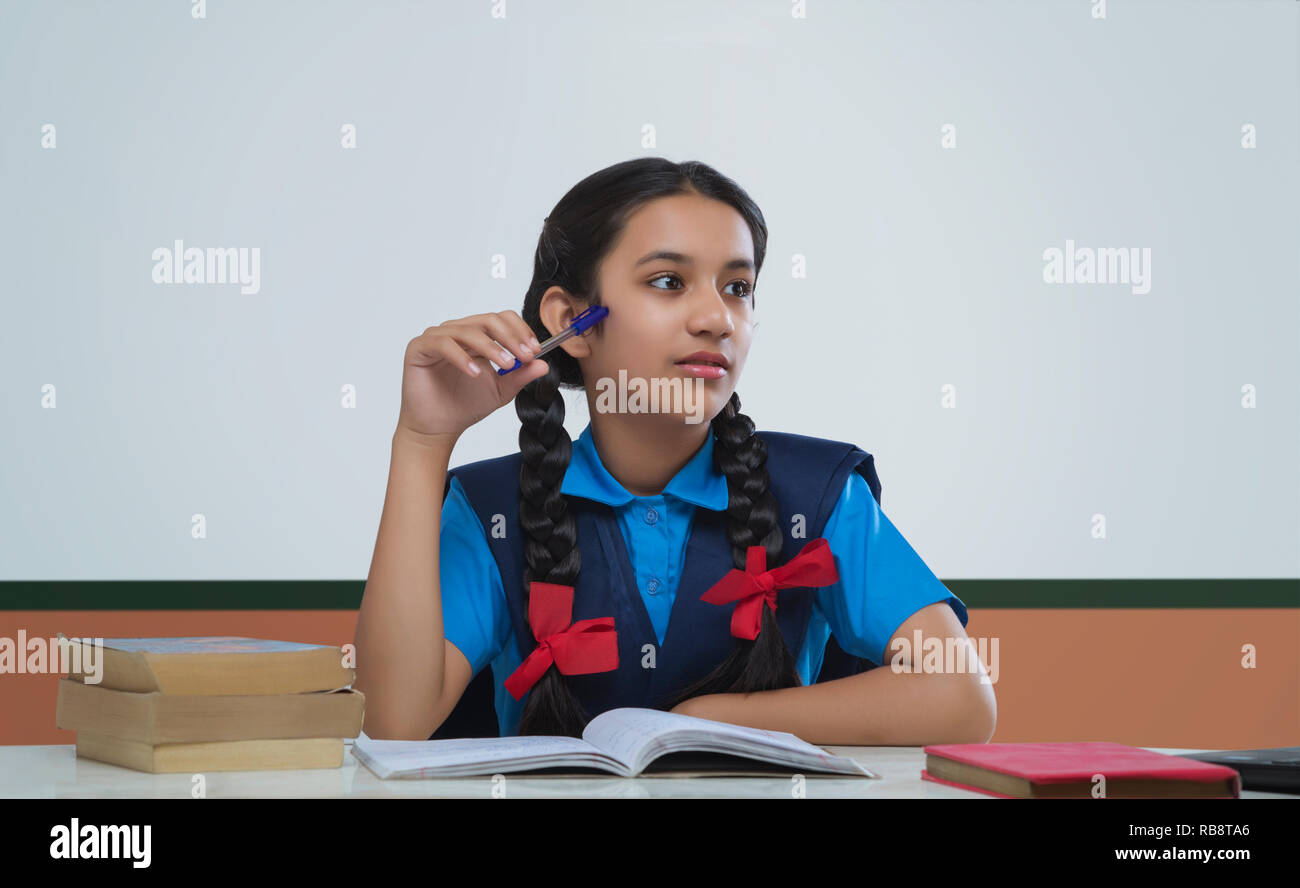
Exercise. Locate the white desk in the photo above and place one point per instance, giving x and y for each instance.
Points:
(56, 772)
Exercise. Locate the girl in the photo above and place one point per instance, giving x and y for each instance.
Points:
(659, 561)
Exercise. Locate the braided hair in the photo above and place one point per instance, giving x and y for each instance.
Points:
(575, 237)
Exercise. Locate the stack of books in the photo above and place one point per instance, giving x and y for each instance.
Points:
(213, 703)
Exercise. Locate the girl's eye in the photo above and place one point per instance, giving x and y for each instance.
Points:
(745, 292)
(662, 277)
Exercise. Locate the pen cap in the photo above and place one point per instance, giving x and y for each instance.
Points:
(588, 318)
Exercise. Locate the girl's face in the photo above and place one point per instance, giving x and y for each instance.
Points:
(679, 280)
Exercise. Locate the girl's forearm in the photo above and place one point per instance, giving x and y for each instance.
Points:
(399, 638)
(875, 708)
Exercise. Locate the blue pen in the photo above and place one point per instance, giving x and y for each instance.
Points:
(581, 324)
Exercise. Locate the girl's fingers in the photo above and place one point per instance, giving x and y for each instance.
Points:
(511, 383)
(500, 337)
(490, 349)
(507, 333)
(433, 347)
(460, 358)
(526, 334)
(423, 349)
(507, 338)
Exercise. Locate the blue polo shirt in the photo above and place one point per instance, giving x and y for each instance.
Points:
(882, 581)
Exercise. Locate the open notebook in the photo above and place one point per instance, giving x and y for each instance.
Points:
(625, 742)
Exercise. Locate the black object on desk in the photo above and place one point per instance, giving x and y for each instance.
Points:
(1261, 770)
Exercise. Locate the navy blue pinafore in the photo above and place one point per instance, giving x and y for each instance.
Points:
(807, 477)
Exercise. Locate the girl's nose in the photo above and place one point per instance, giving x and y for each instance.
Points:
(712, 315)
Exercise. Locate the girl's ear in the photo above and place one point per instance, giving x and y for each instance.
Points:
(557, 311)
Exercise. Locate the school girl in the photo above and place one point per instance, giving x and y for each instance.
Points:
(703, 567)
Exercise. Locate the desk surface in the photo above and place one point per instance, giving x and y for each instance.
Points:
(56, 772)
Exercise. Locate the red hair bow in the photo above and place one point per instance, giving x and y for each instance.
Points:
(577, 649)
(753, 587)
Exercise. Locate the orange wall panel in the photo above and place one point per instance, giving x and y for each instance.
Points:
(1145, 677)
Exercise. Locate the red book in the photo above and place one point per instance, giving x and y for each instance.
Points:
(1075, 770)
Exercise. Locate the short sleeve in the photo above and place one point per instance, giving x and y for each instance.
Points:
(882, 579)
(474, 613)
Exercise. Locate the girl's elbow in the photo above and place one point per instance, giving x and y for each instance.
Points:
(387, 718)
(377, 728)
(981, 713)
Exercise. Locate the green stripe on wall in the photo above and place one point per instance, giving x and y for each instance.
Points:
(346, 594)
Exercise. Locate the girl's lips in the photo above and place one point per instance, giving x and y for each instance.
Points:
(704, 371)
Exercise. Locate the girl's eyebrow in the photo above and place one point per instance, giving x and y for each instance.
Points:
(683, 259)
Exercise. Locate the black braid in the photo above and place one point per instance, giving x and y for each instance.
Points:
(753, 518)
(550, 539)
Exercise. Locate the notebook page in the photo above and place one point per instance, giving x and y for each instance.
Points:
(429, 757)
(627, 733)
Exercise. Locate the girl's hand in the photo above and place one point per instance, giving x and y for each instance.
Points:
(441, 395)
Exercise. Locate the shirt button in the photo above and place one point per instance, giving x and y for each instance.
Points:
(652, 587)
(651, 516)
